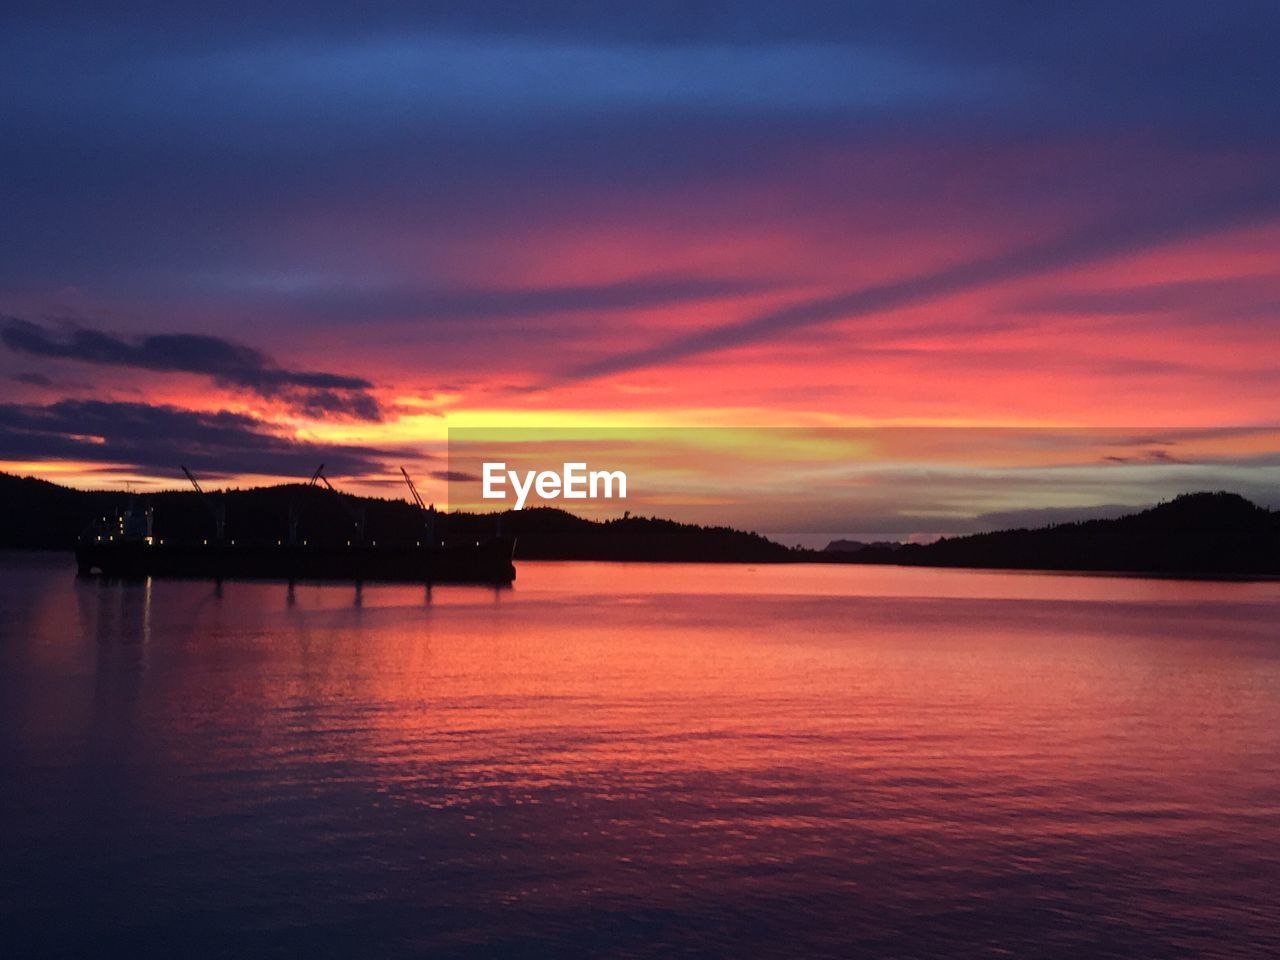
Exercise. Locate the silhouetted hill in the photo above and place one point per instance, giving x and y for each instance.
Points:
(549, 534)
(1196, 533)
(39, 514)
(1199, 533)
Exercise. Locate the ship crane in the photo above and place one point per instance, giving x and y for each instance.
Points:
(295, 510)
(356, 510)
(413, 489)
(215, 507)
(428, 510)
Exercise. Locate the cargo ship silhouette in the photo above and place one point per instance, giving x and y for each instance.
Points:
(126, 545)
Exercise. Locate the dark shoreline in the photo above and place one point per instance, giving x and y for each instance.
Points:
(1203, 536)
(52, 553)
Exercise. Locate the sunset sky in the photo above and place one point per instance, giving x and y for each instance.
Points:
(254, 242)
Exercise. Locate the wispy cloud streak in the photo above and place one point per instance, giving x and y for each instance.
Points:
(1193, 218)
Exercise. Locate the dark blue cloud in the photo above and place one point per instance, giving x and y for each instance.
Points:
(226, 362)
(1093, 56)
(153, 437)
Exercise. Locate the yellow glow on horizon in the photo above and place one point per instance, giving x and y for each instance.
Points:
(413, 428)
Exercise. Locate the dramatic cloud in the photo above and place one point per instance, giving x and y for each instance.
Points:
(228, 363)
(992, 212)
(1194, 217)
(161, 438)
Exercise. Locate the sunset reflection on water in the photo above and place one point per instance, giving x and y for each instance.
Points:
(643, 761)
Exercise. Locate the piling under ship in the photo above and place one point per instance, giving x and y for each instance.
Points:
(126, 546)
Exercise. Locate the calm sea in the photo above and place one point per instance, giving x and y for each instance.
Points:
(640, 761)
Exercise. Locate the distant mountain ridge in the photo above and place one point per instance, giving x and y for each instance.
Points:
(1196, 533)
(853, 546)
(1209, 534)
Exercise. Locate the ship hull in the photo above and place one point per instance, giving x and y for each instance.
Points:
(489, 561)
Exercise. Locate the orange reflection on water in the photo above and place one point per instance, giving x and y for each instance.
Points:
(844, 748)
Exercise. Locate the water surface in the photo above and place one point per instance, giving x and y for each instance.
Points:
(640, 761)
